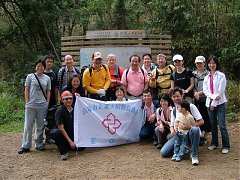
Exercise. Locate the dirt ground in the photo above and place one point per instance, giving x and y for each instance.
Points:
(134, 161)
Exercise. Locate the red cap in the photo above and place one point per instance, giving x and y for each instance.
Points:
(66, 94)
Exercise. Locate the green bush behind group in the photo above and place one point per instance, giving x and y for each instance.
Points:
(12, 105)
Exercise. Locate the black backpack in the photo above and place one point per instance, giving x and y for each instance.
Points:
(141, 71)
(91, 68)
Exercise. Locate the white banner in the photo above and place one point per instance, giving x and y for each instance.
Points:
(101, 124)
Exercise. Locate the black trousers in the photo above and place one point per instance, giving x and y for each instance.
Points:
(110, 94)
(162, 136)
(60, 141)
(204, 112)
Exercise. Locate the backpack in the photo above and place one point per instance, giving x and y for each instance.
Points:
(155, 91)
(63, 71)
(157, 73)
(91, 68)
(141, 71)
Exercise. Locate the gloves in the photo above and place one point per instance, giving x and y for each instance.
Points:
(101, 92)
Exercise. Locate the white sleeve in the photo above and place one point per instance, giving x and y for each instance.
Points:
(157, 114)
(222, 85)
(28, 80)
(195, 112)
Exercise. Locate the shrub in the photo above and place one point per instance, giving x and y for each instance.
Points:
(233, 106)
(11, 105)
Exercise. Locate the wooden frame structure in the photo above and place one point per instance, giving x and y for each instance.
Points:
(158, 44)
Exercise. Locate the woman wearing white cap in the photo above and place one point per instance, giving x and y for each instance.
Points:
(199, 97)
(182, 78)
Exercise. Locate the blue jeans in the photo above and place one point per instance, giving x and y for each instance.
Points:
(217, 117)
(147, 131)
(180, 144)
(194, 137)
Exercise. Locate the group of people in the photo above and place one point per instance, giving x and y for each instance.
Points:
(181, 106)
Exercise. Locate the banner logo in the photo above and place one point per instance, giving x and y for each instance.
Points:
(111, 123)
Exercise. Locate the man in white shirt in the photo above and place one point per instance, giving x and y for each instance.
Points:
(194, 132)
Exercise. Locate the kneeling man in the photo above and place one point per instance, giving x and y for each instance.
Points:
(64, 134)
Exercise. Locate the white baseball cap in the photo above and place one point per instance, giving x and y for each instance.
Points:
(177, 57)
(200, 59)
(97, 55)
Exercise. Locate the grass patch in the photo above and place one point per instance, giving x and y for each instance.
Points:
(12, 127)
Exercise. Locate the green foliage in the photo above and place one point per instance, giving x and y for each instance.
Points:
(233, 105)
(230, 60)
(197, 27)
(119, 15)
(11, 106)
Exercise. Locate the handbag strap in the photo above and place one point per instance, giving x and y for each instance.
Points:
(40, 86)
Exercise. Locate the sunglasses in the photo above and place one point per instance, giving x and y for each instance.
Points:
(68, 98)
(177, 61)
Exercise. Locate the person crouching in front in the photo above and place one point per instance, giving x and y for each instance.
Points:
(64, 134)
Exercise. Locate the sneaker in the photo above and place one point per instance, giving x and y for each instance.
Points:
(178, 159)
(80, 149)
(50, 141)
(155, 143)
(159, 146)
(225, 150)
(64, 157)
(195, 161)
(40, 148)
(23, 150)
(212, 147)
(174, 157)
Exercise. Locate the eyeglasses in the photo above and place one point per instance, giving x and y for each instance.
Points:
(68, 98)
(98, 59)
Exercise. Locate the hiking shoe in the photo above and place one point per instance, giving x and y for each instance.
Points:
(195, 161)
(64, 157)
(212, 147)
(23, 150)
(225, 150)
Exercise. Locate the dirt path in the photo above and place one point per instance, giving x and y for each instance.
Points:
(135, 161)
